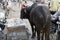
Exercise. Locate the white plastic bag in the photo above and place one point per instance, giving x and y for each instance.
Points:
(2, 15)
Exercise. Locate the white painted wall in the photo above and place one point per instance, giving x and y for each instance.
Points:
(14, 10)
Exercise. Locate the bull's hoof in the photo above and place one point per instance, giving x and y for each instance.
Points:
(38, 39)
(33, 36)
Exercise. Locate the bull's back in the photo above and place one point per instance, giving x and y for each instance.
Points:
(40, 15)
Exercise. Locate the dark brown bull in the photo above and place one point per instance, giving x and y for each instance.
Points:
(40, 18)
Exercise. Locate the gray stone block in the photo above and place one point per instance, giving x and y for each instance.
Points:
(17, 36)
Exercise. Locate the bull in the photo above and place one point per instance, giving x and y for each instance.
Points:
(40, 17)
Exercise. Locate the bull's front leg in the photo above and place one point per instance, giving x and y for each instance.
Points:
(38, 35)
(47, 35)
(33, 32)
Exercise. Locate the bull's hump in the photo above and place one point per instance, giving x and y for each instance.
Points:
(39, 4)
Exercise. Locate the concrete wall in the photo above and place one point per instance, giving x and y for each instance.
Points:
(15, 12)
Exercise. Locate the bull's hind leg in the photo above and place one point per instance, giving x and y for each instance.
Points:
(47, 31)
(43, 35)
(47, 36)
